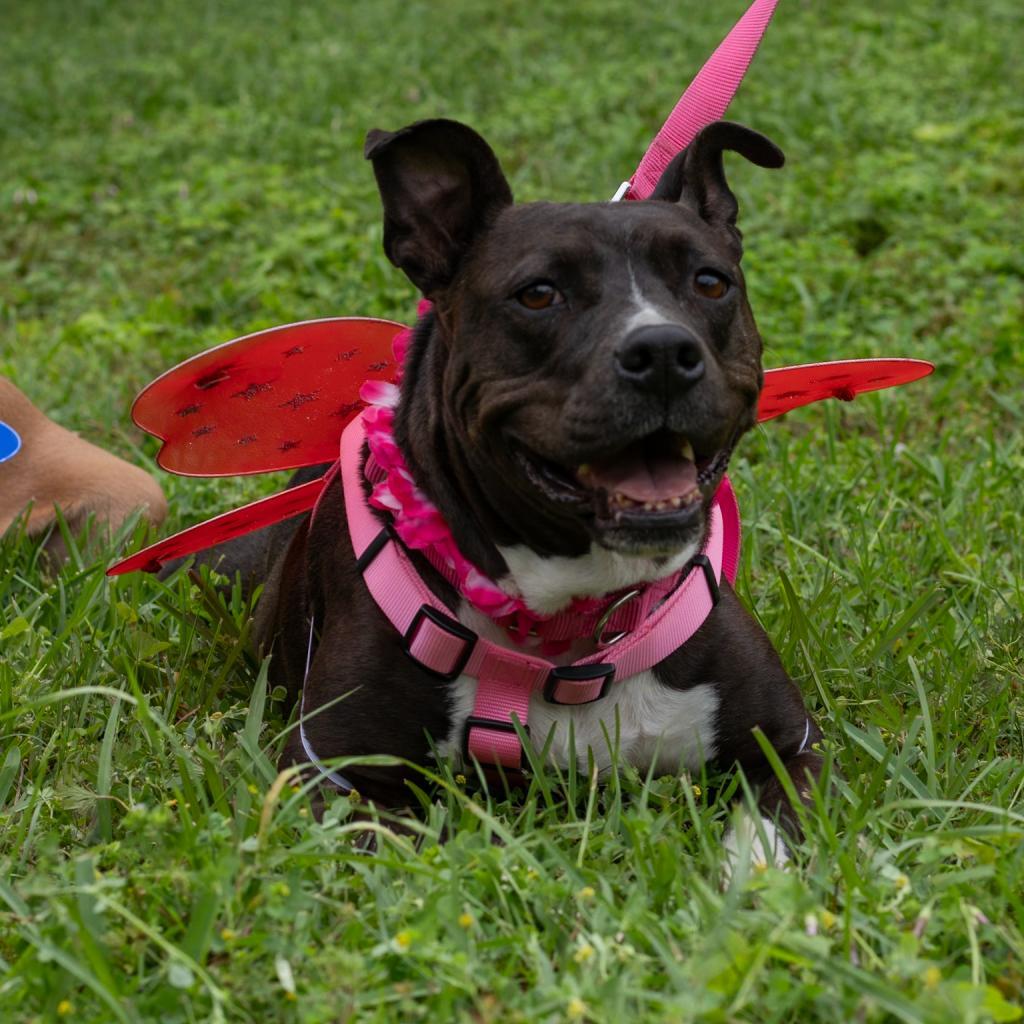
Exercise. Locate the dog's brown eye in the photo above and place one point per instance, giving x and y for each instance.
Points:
(539, 295)
(710, 284)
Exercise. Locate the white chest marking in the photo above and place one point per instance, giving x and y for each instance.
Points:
(547, 585)
(640, 719)
(643, 721)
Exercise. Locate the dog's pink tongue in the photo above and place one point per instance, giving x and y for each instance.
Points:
(645, 477)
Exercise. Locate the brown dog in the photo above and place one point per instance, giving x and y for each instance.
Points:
(55, 469)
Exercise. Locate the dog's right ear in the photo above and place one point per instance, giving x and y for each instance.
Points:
(696, 178)
(440, 184)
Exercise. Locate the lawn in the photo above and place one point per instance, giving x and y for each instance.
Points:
(177, 174)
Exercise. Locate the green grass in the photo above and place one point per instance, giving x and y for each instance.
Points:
(179, 174)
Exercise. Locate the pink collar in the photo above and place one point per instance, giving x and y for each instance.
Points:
(507, 679)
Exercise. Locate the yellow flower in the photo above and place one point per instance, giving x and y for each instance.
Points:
(65, 1007)
(586, 893)
(931, 977)
(828, 919)
(354, 796)
(403, 939)
(303, 812)
(584, 953)
(460, 779)
(467, 920)
(577, 1009)
(697, 790)
(252, 788)
(901, 881)
(228, 934)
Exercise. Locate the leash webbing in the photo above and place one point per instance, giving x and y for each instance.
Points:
(705, 99)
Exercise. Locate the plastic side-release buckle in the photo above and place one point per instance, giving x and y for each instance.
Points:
(505, 749)
(578, 684)
(430, 642)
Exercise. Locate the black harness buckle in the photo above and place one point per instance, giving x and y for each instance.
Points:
(495, 724)
(576, 674)
(373, 549)
(709, 575)
(451, 626)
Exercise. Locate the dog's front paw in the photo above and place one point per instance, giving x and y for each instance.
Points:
(752, 844)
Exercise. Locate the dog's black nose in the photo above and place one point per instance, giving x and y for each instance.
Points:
(660, 356)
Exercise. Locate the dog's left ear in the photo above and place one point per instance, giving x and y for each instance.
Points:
(440, 184)
(696, 177)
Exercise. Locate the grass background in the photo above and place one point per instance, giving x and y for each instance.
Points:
(176, 174)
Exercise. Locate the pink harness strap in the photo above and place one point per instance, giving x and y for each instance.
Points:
(506, 678)
(706, 98)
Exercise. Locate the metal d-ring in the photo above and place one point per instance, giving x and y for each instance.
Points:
(606, 618)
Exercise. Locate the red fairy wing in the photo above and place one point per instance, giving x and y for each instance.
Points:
(224, 527)
(277, 399)
(789, 387)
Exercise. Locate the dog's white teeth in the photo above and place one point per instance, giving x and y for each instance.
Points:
(620, 502)
(686, 450)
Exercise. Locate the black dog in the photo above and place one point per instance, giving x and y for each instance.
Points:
(569, 405)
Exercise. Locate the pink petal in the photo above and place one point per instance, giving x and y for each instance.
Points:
(400, 345)
(379, 392)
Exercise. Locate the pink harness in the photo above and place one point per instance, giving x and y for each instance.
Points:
(507, 679)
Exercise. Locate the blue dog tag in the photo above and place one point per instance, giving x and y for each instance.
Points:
(10, 442)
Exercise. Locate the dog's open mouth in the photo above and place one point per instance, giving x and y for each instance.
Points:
(657, 481)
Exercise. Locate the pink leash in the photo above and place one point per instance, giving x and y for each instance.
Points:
(446, 648)
(706, 99)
